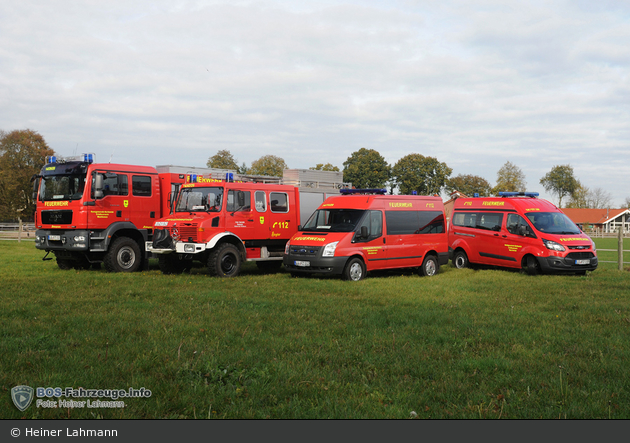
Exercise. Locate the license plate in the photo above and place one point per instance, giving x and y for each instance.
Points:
(582, 262)
(302, 263)
(54, 237)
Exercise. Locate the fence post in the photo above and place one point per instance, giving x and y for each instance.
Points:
(620, 248)
(20, 231)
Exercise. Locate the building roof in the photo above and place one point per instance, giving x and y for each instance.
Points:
(593, 216)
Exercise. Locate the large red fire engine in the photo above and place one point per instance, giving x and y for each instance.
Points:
(223, 222)
(88, 213)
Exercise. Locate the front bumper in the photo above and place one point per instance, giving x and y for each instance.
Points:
(559, 264)
(62, 240)
(178, 248)
(314, 265)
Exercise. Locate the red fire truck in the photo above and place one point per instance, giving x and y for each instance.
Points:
(225, 222)
(88, 213)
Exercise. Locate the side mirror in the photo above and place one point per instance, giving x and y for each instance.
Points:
(98, 186)
(300, 227)
(522, 230)
(35, 181)
(364, 232)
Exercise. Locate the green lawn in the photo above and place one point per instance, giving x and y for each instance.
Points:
(462, 344)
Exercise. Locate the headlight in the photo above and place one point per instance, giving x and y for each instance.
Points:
(189, 248)
(329, 249)
(553, 245)
(286, 248)
(79, 238)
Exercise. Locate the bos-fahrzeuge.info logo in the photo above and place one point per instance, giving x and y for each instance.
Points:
(23, 396)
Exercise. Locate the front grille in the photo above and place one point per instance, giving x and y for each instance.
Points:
(57, 217)
(580, 255)
(305, 251)
(186, 233)
(580, 247)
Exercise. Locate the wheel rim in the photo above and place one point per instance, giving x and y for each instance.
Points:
(228, 263)
(126, 257)
(356, 271)
(460, 261)
(429, 268)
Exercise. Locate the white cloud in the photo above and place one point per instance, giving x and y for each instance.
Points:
(473, 84)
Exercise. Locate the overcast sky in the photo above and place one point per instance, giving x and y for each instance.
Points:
(472, 83)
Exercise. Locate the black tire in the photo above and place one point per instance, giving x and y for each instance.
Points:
(173, 264)
(354, 270)
(123, 256)
(460, 260)
(531, 265)
(430, 266)
(82, 264)
(64, 264)
(224, 261)
(269, 267)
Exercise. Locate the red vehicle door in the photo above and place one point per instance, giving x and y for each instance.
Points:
(114, 205)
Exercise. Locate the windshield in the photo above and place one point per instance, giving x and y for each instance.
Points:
(334, 220)
(553, 223)
(200, 199)
(61, 187)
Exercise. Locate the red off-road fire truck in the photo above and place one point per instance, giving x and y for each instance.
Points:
(88, 213)
(224, 222)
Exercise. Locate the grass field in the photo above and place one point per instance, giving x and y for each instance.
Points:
(462, 344)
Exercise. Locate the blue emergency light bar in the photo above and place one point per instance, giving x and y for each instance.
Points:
(519, 194)
(348, 191)
(88, 158)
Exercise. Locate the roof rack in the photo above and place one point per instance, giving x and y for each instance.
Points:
(348, 191)
(519, 194)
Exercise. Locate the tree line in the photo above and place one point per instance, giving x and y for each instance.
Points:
(23, 153)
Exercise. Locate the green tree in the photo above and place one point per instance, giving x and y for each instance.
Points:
(579, 197)
(560, 181)
(22, 155)
(223, 160)
(415, 172)
(366, 169)
(510, 178)
(469, 185)
(324, 167)
(268, 165)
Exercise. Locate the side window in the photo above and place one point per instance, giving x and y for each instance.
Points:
(141, 185)
(518, 226)
(373, 221)
(114, 184)
(431, 222)
(465, 219)
(401, 222)
(279, 202)
(233, 203)
(261, 201)
(489, 221)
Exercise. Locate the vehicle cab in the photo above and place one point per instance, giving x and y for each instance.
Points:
(518, 230)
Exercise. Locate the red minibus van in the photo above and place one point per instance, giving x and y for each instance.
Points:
(518, 230)
(350, 235)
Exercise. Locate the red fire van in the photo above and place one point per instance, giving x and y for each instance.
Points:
(518, 230)
(352, 234)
